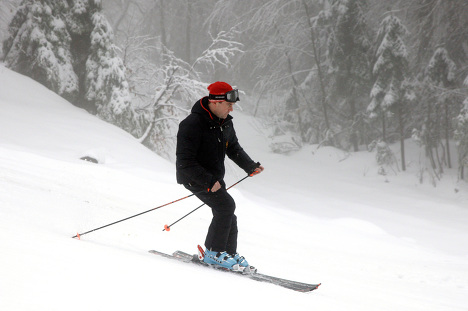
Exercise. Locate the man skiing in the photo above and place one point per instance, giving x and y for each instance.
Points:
(204, 138)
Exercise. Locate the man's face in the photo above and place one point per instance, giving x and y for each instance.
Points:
(222, 109)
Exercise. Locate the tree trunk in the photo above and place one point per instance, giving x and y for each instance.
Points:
(162, 23)
(295, 84)
(188, 40)
(122, 15)
(354, 137)
(319, 70)
(447, 134)
(384, 129)
(79, 47)
(402, 136)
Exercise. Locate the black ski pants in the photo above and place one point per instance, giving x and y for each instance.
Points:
(222, 233)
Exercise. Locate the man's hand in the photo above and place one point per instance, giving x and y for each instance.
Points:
(216, 187)
(258, 170)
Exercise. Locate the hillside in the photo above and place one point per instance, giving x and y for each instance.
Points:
(318, 215)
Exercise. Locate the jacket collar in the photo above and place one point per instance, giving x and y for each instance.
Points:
(201, 107)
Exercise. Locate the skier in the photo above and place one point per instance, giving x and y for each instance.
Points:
(203, 140)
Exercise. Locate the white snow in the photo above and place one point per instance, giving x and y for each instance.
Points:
(317, 215)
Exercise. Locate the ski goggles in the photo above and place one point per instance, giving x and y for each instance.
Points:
(231, 96)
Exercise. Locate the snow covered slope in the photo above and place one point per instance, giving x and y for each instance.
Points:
(311, 216)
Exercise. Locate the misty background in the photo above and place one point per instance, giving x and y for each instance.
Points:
(353, 74)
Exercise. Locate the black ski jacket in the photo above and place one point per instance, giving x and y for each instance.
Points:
(203, 140)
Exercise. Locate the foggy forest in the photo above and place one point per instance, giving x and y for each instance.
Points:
(353, 74)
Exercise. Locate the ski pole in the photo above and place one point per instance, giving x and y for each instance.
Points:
(168, 228)
(78, 235)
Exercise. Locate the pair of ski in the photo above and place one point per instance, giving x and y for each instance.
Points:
(187, 258)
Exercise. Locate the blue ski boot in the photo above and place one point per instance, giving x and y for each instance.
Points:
(240, 260)
(221, 259)
(243, 264)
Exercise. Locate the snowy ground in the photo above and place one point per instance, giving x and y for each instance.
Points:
(312, 216)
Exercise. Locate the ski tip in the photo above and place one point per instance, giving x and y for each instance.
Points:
(167, 228)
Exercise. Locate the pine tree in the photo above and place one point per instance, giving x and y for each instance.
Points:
(103, 86)
(348, 46)
(79, 25)
(461, 136)
(437, 23)
(387, 94)
(39, 46)
(440, 73)
(68, 47)
(105, 79)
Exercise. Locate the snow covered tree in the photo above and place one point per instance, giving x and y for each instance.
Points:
(285, 58)
(387, 94)
(461, 136)
(165, 87)
(68, 46)
(39, 46)
(440, 80)
(105, 82)
(79, 25)
(103, 85)
(347, 56)
(435, 23)
(6, 15)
